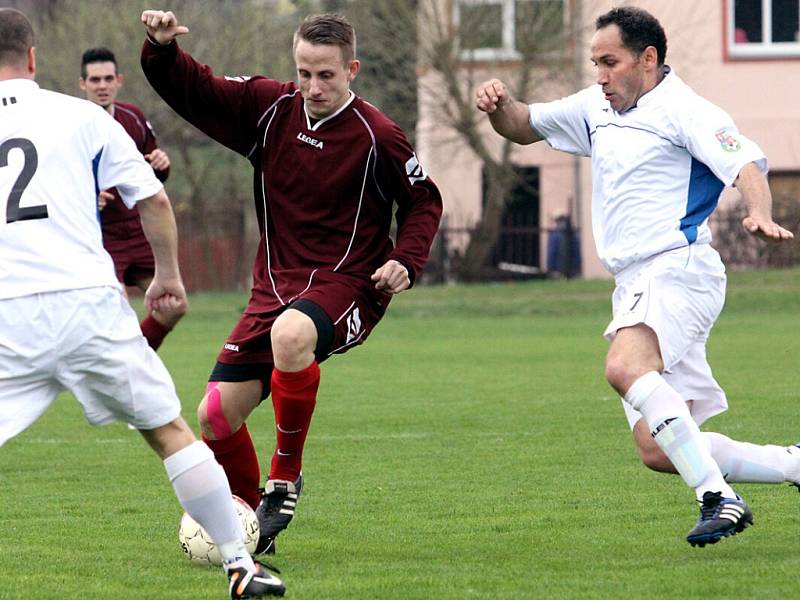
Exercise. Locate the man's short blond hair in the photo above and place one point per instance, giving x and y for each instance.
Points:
(330, 29)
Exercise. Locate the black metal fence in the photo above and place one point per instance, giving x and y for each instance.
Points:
(740, 250)
(517, 253)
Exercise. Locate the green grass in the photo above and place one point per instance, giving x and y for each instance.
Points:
(470, 449)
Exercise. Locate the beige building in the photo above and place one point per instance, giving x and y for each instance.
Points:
(743, 55)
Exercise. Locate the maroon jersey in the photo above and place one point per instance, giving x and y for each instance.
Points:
(324, 190)
(133, 121)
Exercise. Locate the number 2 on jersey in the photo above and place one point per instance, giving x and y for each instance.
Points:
(13, 210)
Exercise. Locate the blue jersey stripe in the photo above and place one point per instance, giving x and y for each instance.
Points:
(95, 167)
(704, 191)
(588, 132)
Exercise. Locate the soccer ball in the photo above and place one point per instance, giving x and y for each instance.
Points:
(198, 546)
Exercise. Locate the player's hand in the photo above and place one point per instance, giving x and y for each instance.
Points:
(103, 198)
(158, 159)
(492, 95)
(165, 295)
(391, 278)
(162, 26)
(766, 229)
(170, 310)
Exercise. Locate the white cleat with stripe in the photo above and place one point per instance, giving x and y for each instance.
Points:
(254, 584)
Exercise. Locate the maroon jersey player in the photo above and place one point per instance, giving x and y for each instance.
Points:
(328, 167)
(123, 236)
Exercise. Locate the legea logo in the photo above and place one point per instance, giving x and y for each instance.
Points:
(309, 140)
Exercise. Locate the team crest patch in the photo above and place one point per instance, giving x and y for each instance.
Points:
(414, 170)
(728, 141)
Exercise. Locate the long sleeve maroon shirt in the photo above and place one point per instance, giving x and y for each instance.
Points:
(323, 190)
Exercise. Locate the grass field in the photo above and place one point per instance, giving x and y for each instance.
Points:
(470, 449)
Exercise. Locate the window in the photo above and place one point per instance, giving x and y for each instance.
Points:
(507, 29)
(764, 28)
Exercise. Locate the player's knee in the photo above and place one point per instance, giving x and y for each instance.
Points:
(619, 373)
(169, 438)
(213, 422)
(292, 341)
(202, 419)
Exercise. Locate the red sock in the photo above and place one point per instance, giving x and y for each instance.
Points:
(294, 396)
(238, 458)
(153, 331)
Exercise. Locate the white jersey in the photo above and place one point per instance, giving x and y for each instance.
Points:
(56, 153)
(657, 169)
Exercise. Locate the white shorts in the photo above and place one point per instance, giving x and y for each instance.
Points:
(87, 341)
(679, 295)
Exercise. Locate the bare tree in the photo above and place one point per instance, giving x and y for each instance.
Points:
(450, 47)
(740, 250)
(436, 45)
(387, 47)
(429, 49)
(211, 187)
(399, 40)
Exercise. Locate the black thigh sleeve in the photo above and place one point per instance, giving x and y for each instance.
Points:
(248, 372)
(322, 322)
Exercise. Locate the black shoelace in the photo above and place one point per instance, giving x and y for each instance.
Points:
(710, 505)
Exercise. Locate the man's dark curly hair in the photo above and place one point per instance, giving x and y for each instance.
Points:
(638, 29)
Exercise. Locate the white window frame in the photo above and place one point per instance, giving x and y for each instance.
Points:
(765, 49)
(508, 50)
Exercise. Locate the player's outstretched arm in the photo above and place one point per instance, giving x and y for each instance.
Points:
(158, 222)
(509, 117)
(162, 26)
(753, 186)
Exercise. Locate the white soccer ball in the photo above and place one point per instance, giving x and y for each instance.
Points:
(198, 546)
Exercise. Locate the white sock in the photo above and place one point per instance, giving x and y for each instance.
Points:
(203, 491)
(746, 462)
(677, 434)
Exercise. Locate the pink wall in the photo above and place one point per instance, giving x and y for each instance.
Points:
(761, 96)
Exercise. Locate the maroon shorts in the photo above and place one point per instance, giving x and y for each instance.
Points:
(344, 313)
(128, 247)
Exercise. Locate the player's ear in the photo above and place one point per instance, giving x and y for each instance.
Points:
(353, 68)
(32, 60)
(651, 56)
(120, 79)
